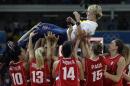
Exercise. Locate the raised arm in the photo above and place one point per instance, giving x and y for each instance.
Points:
(76, 48)
(80, 34)
(69, 31)
(43, 42)
(70, 22)
(83, 45)
(54, 46)
(86, 51)
(54, 69)
(37, 44)
(81, 70)
(77, 17)
(48, 37)
(30, 47)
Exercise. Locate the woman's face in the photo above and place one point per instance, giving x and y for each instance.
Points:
(112, 46)
(90, 14)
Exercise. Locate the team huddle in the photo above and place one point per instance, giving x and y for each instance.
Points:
(77, 62)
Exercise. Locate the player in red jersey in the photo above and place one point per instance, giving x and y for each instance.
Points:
(41, 61)
(115, 64)
(126, 73)
(18, 65)
(93, 64)
(67, 71)
(39, 69)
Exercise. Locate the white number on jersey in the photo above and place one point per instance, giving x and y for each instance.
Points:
(68, 74)
(37, 77)
(97, 75)
(17, 78)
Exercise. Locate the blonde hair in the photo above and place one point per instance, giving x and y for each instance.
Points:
(39, 57)
(96, 9)
(126, 53)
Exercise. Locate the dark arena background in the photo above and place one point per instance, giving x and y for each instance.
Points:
(19, 16)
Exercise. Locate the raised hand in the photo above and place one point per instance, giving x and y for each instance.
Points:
(32, 34)
(55, 39)
(77, 16)
(43, 42)
(49, 36)
(70, 20)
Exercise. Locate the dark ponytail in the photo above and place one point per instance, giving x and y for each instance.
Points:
(97, 48)
(120, 45)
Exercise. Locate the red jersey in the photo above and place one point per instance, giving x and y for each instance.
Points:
(18, 74)
(94, 71)
(39, 77)
(67, 72)
(127, 71)
(112, 68)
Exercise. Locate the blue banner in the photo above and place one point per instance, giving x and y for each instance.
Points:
(2, 41)
(109, 36)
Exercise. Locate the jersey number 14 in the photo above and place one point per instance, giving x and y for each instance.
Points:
(68, 73)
